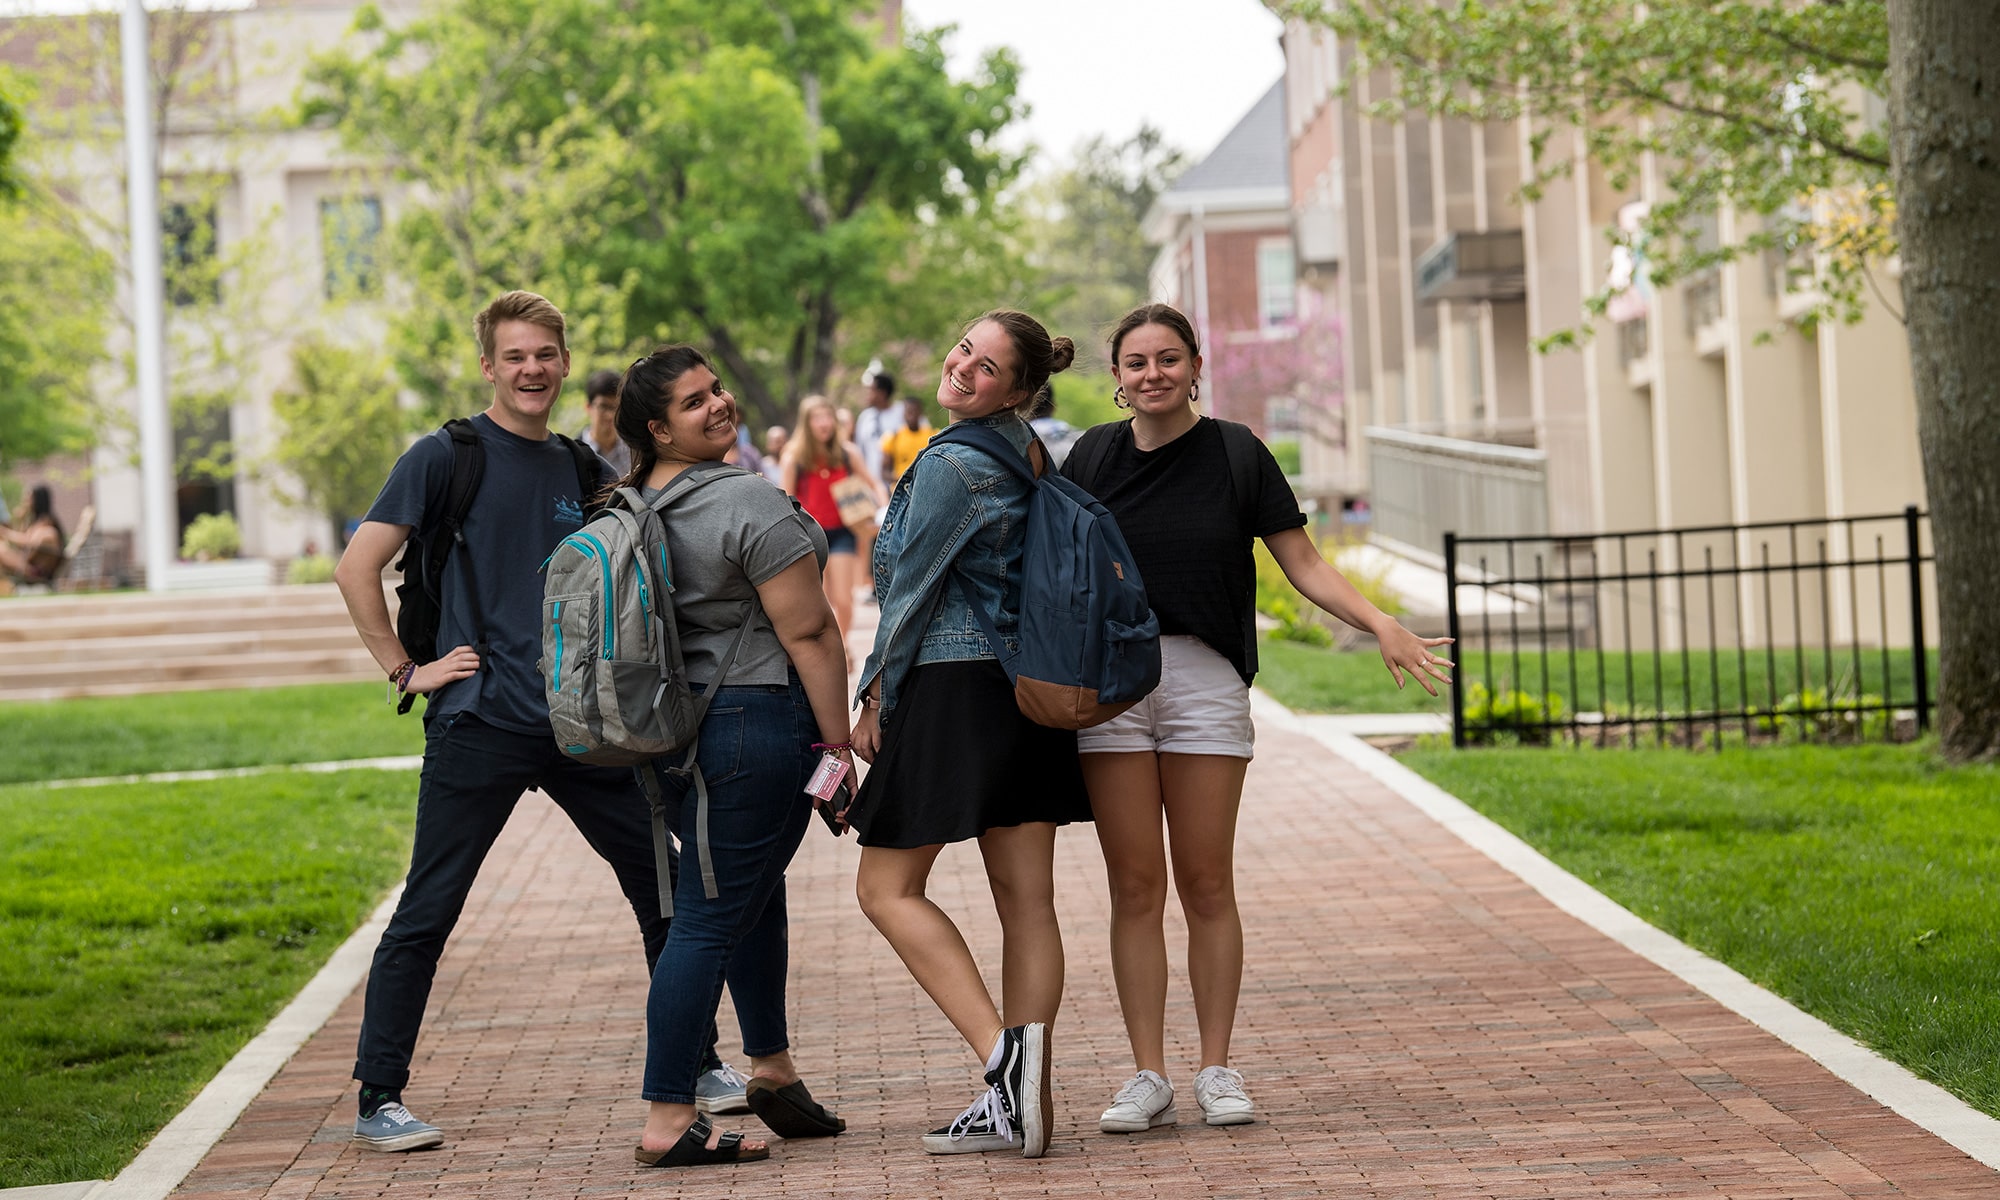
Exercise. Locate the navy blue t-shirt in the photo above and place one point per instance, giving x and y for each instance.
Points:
(527, 502)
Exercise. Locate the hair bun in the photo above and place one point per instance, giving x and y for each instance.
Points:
(1062, 352)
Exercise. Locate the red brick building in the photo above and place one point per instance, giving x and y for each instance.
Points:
(1226, 255)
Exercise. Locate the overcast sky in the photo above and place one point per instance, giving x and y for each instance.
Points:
(1191, 67)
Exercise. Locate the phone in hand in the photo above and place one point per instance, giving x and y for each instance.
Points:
(831, 791)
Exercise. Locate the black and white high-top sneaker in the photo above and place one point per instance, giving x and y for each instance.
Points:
(1022, 1079)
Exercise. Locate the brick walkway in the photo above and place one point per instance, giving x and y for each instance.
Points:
(1415, 1023)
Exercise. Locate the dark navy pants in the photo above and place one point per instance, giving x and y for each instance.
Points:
(473, 774)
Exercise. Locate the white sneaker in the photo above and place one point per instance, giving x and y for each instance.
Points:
(1145, 1102)
(1223, 1102)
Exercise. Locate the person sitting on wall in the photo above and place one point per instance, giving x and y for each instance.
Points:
(34, 552)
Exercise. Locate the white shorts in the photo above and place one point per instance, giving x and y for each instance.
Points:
(1200, 707)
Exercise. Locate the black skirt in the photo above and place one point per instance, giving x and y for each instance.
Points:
(958, 759)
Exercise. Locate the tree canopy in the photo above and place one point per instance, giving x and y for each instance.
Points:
(758, 178)
(1772, 108)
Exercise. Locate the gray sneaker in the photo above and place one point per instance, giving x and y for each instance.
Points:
(393, 1128)
(721, 1091)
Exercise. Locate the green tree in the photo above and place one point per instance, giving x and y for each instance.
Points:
(11, 124)
(55, 292)
(1084, 236)
(755, 177)
(1761, 105)
(340, 428)
(71, 164)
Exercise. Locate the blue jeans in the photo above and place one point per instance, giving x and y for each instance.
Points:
(756, 755)
(473, 774)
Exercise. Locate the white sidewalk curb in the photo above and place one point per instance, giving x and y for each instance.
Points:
(1894, 1086)
(408, 762)
(180, 1147)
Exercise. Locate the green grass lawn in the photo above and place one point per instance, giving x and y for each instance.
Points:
(1312, 679)
(1309, 679)
(1862, 883)
(148, 931)
(183, 731)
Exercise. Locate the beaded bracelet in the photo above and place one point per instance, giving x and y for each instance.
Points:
(833, 745)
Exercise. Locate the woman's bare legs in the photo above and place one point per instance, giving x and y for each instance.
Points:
(842, 572)
(1020, 869)
(890, 885)
(1202, 794)
(1125, 802)
(1199, 795)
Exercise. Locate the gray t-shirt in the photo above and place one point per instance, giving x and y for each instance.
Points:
(726, 537)
(527, 502)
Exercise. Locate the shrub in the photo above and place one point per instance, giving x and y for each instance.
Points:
(310, 568)
(212, 535)
(1510, 714)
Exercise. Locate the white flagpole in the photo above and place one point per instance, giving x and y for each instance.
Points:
(158, 505)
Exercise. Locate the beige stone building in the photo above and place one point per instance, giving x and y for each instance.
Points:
(298, 218)
(1703, 403)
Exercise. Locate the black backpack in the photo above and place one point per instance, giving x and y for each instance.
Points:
(419, 598)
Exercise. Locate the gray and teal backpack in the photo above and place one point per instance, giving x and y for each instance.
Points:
(611, 661)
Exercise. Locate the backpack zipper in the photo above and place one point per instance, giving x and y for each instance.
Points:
(589, 544)
(555, 669)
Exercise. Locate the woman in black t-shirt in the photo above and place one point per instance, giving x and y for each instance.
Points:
(1182, 751)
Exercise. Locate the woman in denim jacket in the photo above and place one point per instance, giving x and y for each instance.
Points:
(953, 757)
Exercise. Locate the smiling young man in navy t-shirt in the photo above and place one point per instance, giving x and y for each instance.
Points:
(486, 725)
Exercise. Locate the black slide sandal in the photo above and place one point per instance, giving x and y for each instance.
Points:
(790, 1111)
(692, 1150)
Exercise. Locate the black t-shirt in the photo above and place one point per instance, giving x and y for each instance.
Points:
(1179, 511)
(527, 502)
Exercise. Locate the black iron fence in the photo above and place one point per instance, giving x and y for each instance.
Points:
(1803, 630)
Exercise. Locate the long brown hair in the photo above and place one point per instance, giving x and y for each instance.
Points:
(808, 451)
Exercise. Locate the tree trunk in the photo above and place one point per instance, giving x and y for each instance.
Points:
(1945, 146)
(826, 321)
(752, 395)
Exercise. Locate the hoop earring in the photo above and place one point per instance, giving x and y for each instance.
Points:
(1194, 392)
(1118, 398)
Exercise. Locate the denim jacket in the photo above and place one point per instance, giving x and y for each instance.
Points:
(955, 506)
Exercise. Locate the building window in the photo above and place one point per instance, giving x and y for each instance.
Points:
(1277, 283)
(350, 236)
(187, 250)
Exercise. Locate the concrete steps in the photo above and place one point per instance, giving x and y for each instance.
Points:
(61, 646)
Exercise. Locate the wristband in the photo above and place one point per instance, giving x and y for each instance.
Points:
(407, 664)
(833, 745)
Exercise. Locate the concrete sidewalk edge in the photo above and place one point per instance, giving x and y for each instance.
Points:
(179, 1148)
(1917, 1100)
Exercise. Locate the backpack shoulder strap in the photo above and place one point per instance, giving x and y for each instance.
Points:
(1092, 449)
(1240, 444)
(468, 470)
(989, 440)
(585, 460)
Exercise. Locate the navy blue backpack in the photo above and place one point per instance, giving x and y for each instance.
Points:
(1090, 644)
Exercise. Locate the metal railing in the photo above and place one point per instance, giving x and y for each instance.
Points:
(1809, 629)
(1423, 485)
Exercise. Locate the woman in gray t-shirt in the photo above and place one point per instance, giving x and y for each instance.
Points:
(733, 540)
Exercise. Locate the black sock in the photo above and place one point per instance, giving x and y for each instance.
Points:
(374, 1096)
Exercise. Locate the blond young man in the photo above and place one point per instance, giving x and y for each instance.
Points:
(486, 725)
